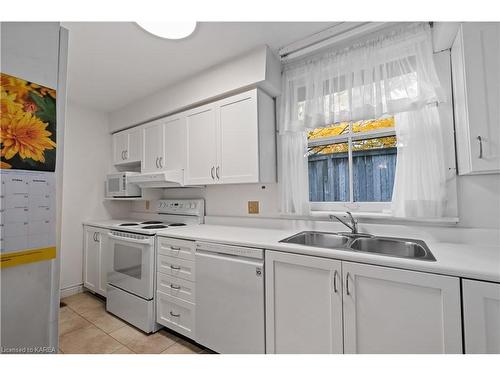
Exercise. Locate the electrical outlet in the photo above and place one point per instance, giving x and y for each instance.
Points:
(253, 207)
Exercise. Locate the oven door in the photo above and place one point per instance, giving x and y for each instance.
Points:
(115, 185)
(132, 263)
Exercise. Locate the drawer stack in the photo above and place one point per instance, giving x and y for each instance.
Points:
(175, 285)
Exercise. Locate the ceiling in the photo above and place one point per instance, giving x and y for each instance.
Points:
(111, 64)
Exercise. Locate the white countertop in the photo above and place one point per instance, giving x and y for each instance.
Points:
(463, 260)
(475, 262)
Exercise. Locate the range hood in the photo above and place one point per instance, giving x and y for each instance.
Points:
(164, 179)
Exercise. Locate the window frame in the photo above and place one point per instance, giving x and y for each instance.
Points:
(349, 138)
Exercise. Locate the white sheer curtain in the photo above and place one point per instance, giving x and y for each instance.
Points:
(391, 74)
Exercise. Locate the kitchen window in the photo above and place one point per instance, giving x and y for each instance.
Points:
(350, 163)
(348, 114)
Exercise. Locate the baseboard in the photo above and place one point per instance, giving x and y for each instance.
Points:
(69, 291)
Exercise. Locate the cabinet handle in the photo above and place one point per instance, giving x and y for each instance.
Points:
(347, 284)
(174, 248)
(335, 281)
(160, 160)
(175, 286)
(122, 154)
(217, 172)
(480, 139)
(175, 267)
(176, 315)
(212, 173)
(126, 154)
(156, 162)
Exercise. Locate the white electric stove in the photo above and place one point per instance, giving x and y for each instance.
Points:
(132, 249)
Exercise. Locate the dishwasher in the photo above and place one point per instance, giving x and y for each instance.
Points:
(230, 298)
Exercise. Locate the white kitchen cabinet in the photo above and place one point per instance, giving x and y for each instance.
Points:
(303, 304)
(202, 138)
(164, 144)
(153, 146)
(96, 259)
(232, 140)
(475, 56)
(389, 310)
(127, 146)
(481, 303)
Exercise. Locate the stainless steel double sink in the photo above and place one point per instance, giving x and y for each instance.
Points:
(365, 243)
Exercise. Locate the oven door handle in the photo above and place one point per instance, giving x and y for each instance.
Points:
(128, 239)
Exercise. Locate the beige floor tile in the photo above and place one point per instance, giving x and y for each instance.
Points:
(127, 334)
(88, 340)
(183, 347)
(82, 302)
(123, 350)
(66, 313)
(141, 343)
(102, 319)
(71, 323)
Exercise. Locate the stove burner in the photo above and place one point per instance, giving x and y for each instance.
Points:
(128, 224)
(176, 225)
(152, 222)
(154, 227)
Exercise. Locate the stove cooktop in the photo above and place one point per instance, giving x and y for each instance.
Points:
(150, 225)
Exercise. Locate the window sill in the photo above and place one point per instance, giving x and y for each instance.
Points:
(381, 217)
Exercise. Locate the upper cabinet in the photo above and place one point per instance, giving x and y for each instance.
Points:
(232, 141)
(164, 144)
(127, 146)
(201, 145)
(475, 56)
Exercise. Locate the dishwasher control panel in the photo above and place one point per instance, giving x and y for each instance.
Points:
(247, 252)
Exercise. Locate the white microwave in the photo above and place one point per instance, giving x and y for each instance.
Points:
(118, 186)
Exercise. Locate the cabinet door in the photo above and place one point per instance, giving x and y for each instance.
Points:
(102, 239)
(303, 304)
(120, 146)
(202, 146)
(174, 132)
(91, 259)
(481, 302)
(153, 147)
(389, 310)
(476, 84)
(134, 151)
(239, 139)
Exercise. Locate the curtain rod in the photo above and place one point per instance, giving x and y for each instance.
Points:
(335, 34)
(338, 33)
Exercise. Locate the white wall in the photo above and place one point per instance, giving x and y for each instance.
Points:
(259, 67)
(87, 159)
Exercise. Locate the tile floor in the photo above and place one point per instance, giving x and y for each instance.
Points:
(86, 327)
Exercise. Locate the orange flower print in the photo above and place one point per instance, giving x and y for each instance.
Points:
(26, 134)
(29, 106)
(4, 165)
(15, 85)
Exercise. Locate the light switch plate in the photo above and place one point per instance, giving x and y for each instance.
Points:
(253, 207)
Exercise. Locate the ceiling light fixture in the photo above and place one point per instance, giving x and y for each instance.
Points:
(169, 30)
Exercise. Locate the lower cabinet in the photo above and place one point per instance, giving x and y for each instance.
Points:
(317, 305)
(175, 314)
(95, 259)
(481, 303)
(303, 304)
(175, 285)
(389, 310)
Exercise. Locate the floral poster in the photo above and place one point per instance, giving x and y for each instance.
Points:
(28, 125)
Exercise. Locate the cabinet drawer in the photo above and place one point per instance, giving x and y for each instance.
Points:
(176, 267)
(176, 248)
(175, 314)
(175, 287)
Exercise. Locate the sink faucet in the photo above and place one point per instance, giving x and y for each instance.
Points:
(353, 226)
